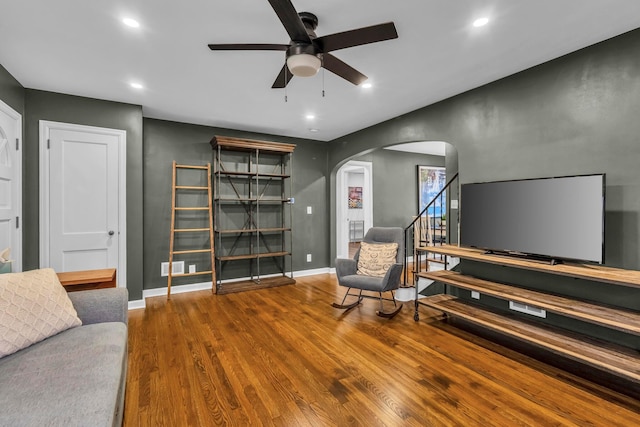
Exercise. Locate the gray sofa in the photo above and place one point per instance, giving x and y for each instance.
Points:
(74, 378)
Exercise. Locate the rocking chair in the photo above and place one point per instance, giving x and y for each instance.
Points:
(352, 274)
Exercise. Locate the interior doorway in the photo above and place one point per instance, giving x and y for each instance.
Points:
(354, 205)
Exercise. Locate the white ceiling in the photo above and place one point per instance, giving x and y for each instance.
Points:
(80, 47)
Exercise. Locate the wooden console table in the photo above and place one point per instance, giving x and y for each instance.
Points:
(88, 279)
(620, 361)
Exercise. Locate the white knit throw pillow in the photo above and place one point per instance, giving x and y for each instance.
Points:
(376, 258)
(33, 306)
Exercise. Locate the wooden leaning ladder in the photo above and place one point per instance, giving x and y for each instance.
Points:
(174, 231)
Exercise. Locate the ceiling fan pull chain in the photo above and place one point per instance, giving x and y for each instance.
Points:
(285, 83)
(323, 76)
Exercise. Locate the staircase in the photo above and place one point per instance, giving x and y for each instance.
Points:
(430, 228)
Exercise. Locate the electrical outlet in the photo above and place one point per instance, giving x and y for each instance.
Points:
(475, 295)
(308, 257)
(192, 268)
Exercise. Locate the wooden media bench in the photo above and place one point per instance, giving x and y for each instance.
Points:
(620, 361)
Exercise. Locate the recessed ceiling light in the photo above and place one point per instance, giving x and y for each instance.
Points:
(366, 85)
(314, 130)
(130, 22)
(310, 116)
(136, 85)
(480, 22)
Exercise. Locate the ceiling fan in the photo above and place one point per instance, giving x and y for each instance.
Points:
(306, 52)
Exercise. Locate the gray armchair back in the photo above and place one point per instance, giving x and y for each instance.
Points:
(386, 235)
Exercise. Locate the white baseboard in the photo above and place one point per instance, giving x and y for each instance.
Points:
(178, 289)
(137, 304)
(312, 272)
(157, 292)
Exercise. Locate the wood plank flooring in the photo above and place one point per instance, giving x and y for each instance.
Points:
(284, 357)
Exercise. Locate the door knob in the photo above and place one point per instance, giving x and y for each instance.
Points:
(111, 232)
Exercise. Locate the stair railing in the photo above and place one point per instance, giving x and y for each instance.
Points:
(439, 233)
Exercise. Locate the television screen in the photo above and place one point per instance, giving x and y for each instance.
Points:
(561, 218)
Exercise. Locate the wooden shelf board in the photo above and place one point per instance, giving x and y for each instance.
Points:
(252, 174)
(88, 279)
(248, 199)
(271, 175)
(249, 285)
(236, 199)
(599, 273)
(622, 320)
(234, 173)
(252, 230)
(252, 256)
(240, 144)
(617, 360)
(273, 200)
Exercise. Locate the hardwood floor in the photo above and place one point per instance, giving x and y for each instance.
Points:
(283, 356)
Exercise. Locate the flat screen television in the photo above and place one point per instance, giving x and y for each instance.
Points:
(555, 218)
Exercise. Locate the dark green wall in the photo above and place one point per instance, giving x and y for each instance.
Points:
(395, 187)
(574, 115)
(310, 235)
(165, 141)
(42, 105)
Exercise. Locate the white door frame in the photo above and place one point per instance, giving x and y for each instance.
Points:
(45, 130)
(16, 250)
(342, 229)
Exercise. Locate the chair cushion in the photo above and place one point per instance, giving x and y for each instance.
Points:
(33, 306)
(366, 283)
(376, 258)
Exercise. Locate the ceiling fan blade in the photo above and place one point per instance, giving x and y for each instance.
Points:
(290, 19)
(255, 46)
(343, 70)
(360, 36)
(283, 78)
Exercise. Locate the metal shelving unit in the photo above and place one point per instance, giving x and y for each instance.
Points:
(252, 199)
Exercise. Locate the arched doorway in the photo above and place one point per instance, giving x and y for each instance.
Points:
(404, 187)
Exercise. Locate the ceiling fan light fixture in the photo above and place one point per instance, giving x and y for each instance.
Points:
(303, 65)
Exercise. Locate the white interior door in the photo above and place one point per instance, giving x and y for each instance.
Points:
(83, 197)
(343, 214)
(11, 183)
